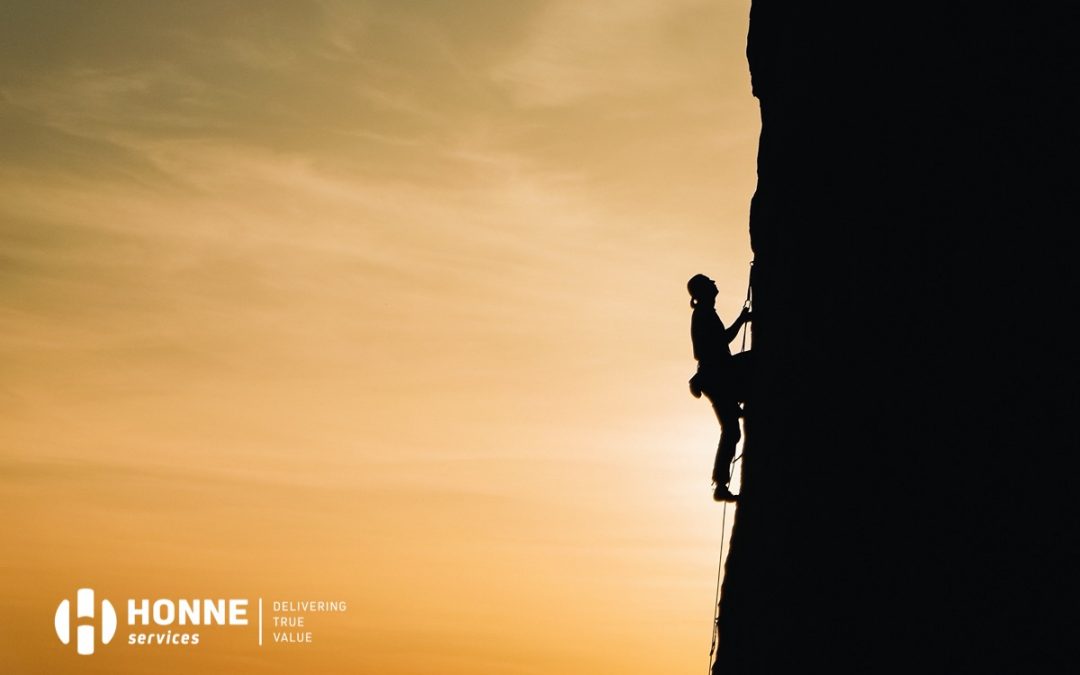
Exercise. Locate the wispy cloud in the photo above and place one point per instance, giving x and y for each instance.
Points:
(601, 49)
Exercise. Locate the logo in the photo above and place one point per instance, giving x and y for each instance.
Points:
(84, 630)
(171, 623)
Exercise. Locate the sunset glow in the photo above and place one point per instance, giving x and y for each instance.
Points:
(373, 301)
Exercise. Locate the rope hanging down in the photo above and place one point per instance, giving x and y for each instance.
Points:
(749, 303)
(716, 597)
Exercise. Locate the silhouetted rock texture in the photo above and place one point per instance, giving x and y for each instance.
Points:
(906, 505)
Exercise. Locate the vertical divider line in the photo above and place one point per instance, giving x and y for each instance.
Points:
(260, 622)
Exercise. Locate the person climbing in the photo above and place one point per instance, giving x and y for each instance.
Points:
(716, 376)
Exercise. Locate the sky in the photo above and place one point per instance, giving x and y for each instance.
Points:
(376, 301)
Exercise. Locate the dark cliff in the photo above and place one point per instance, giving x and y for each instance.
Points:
(905, 484)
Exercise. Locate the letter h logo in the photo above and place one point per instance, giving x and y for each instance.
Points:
(84, 632)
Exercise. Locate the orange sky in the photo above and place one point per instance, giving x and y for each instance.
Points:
(375, 301)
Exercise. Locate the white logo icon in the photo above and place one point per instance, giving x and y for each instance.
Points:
(84, 632)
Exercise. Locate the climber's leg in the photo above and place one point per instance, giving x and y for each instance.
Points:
(727, 412)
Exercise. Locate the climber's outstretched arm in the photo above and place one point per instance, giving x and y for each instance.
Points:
(733, 332)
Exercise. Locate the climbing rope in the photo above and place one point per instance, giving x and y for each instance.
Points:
(716, 596)
(748, 303)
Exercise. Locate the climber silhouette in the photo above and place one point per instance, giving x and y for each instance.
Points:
(716, 375)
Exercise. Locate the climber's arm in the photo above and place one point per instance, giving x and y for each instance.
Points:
(733, 332)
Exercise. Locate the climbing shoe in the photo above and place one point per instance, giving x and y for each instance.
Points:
(723, 494)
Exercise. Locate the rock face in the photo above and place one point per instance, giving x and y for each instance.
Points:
(914, 407)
